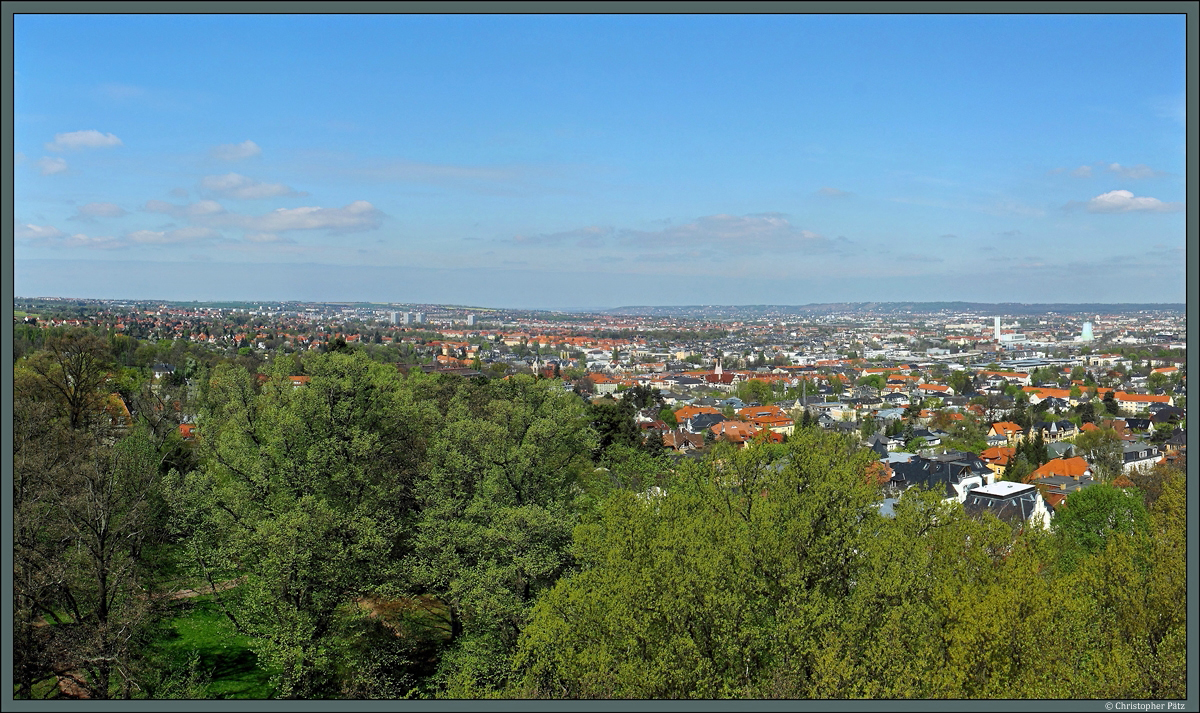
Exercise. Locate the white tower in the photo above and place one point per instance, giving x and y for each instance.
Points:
(997, 329)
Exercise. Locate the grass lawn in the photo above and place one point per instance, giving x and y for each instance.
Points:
(228, 665)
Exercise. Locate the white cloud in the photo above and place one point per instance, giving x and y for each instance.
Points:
(1082, 172)
(191, 210)
(179, 235)
(52, 165)
(98, 210)
(1126, 202)
(359, 215)
(239, 187)
(719, 236)
(236, 152)
(1134, 172)
(49, 236)
(28, 231)
(734, 231)
(266, 238)
(87, 139)
(590, 235)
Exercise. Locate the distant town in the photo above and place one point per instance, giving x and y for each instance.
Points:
(951, 392)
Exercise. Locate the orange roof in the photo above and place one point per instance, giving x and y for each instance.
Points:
(1005, 428)
(758, 412)
(1089, 427)
(1054, 499)
(1047, 392)
(1150, 398)
(998, 455)
(733, 431)
(687, 412)
(1071, 467)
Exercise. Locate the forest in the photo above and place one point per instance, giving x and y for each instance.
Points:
(366, 533)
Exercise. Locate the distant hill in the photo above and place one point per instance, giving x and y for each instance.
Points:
(891, 308)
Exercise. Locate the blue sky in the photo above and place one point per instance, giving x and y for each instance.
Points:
(597, 161)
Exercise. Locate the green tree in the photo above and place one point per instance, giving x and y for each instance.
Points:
(755, 390)
(612, 422)
(960, 380)
(307, 496)
(875, 381)
(75, 365)
(1111, 405)
(868, 428)
(1092, 514)
(1104, 452)
(496, 519)
(704, 589)
(1087, 412)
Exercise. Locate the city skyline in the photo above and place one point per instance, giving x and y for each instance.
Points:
(573, 162)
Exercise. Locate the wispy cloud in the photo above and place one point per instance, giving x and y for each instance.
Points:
(1141, 170)
(239, 187)
(188, 234)
(91, 211)
(1004, 208)
(236, 152)
(87, 139)
(1135, 172)
(713, 235)
(51, 165)
(357, 216)
(1172, 107)
(831, 192)
(267, 238)
(592, 235)
(917, 257)
(49, 236)
(1122, 201)
(191, 210)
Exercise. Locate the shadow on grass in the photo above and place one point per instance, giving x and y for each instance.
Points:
(225, 667)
